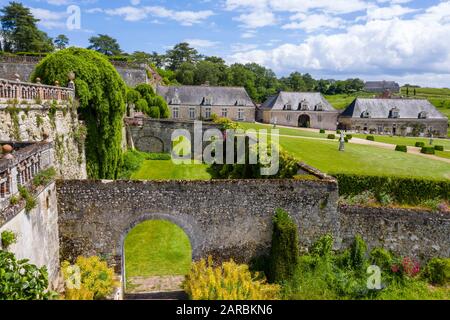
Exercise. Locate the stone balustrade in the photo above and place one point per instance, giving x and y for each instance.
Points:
(21, 166)
(17, 90)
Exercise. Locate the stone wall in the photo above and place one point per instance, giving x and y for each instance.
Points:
(37, 231)
(317, 119)
(246, 114)
(418, 234)
(8, 70)
(222, 218)
(29, 122)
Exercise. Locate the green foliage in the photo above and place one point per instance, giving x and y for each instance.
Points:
(323, 247)
(44, 177)
(437, 271)
(133, 159)
(411, 191)
(8, 238)
(420, 144)
(381, 258)
(97, 280)
(358, 255)
(401, 148)
(142, 105)
(105, 45)
(30, 201)
(331, 136)
(439, 148)
(322, 131)
(13, 200)
(19, 31)
(370, 138)
(428, 150)
(101, 94)
(20, 280)
(133, 95)
(349, 136)
(283, 259)
(61, 41)
(154, 113)
(156, 106)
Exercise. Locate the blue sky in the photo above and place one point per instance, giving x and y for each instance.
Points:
(403, 40)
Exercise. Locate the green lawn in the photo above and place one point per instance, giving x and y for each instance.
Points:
(407, 141)
(361, 159)
(157, 248)
(283, 131)
(167, 170)
(342, 101)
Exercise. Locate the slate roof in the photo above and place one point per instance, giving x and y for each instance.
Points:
(195, 95)
(381, 108)
(280, 100)
(381, 85)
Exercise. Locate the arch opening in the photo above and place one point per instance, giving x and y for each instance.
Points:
(304, 121)
(157, 254)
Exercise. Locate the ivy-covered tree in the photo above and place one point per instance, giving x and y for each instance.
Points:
(155, 107)
(101, 93)
(19, 30)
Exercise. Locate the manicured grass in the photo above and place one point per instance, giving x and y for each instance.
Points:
(361, 159)
(167, 170)
(157, 248)
(283, 131)
(342, 101)
(408, 141)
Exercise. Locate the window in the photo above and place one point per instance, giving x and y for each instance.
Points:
(303, 106)
(208, 113)
(192, 113)
(318, 107)
(380, 129)
(240, 102)
(394, 113)
(423, 115)
(365, 114)
(287, 107)
(319, 118)
(288, 117)
(207, 101)
(240, 114)
(224, 113)
(175, 114)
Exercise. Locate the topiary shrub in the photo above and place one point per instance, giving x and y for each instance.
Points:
(401, 148)
(428, 150)
(229, 281)
(154, 102)
(154, 113)
(284, 253)
(349, 136)
(338, 131)
(370, 138)
(439, 148)
(101, 94)
(20, 280)
(420, 144)
(437, 271)
(331, 136)
(322, 131)
(142, 105)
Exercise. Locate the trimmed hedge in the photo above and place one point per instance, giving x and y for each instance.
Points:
(338, 131)
(439, 148)
(427, 150)
(403, 190)
(420, 144)
(370, 138)
(322, 131)
(401, 148)
(332, 136)
(349, 137)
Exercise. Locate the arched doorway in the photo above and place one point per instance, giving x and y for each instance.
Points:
(157, 254)
(304, 121)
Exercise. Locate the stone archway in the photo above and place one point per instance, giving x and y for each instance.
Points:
(150, 144)
(304, 121)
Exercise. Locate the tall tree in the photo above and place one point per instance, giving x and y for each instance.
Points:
(105, 44)
(180, 54)
(19, 30)
(61, 41)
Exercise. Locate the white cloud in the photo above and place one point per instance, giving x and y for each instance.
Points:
(201, 43)
(241, 47)
(50, 19)
(186, 18)
(405, 48)
(256, 19)
(386, 13)
(314, 22)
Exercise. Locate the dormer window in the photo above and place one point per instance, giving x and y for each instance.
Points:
(365, 114)
(175, 99)
(394, 113)
(287, 107)
(318, 107)
(207, 101)
(423, 115)
(303, 106)
(240, 102)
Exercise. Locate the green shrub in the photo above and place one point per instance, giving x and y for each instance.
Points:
(439, 148)
(370, 138)
(427, 150)
(401, 148)
(349, 136)
(13, 200)
(8, 238)
(154, 113)
(437, 271)
(44, 177)
(420, 144)
(284, 251)
(381, 258)
(338, 131)
(30, 201)
(358, 255)
(322, 131)
(331, 136)
(345, 139)
(323, 247)
(403, 190)
(20, 280)
(158, 156)
(133, 95)
(142, 105)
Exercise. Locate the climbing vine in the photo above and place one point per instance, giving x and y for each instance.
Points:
(101, 94)
(14, 114)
